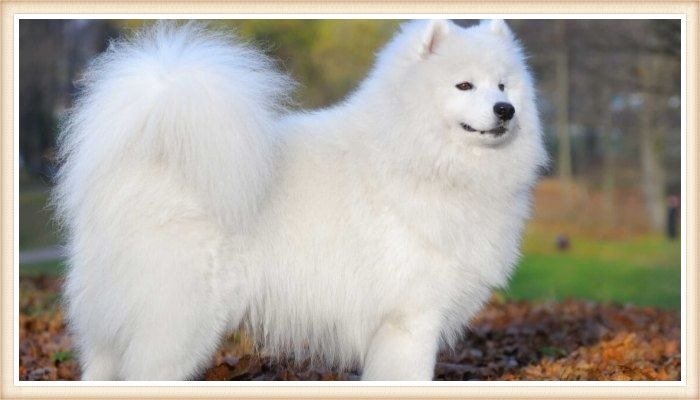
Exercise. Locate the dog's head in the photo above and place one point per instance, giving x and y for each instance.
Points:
(462, 88)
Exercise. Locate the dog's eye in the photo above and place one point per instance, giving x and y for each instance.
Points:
(464, 86)
(501, 87)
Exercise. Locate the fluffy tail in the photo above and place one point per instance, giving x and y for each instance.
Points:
(192, 102)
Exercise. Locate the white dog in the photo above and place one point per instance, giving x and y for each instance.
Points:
(366, 234)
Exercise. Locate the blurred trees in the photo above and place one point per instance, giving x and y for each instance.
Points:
(609, 89)
(561, 62)
(51, 54)
(42, 70)
(329, 57)
(623, 106)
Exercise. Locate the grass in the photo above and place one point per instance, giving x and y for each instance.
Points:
(35, 227)
(644, 270)
(62, 355)
(49, 268)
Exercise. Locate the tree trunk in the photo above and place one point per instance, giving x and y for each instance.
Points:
(609, 156)
(562, 86)
(653, 179)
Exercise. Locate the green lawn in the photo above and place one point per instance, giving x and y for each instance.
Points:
(642, 271)
(36, 229)
(49, 268)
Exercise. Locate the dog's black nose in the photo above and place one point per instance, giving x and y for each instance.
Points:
(505, 111)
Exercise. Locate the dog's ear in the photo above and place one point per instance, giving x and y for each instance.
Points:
(433, 33)
(418, 40)
(498, 27)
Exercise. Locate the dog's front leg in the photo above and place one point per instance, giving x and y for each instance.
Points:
(403, 348)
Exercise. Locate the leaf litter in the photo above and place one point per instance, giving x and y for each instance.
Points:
(508, 340)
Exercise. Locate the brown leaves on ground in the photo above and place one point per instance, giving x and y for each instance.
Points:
(624, 357)
(45, 351)
(573, 340)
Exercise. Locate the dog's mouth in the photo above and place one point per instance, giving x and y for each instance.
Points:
(496, 132)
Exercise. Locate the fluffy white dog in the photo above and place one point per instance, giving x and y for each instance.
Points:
(365, 234)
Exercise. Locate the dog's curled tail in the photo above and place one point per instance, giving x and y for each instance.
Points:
(195, 103)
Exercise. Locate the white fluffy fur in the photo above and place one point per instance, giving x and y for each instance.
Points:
(364, 234)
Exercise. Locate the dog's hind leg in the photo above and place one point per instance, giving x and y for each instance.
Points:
(180, 306)
(174, 347)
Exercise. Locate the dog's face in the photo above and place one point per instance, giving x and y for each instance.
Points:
(480, 83)
(463, 102)
(472, 82)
